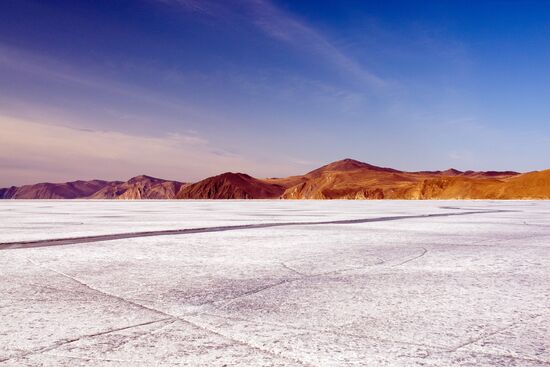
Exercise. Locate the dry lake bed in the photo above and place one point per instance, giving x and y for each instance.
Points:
(275, 283)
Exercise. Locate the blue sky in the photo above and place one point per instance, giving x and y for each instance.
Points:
(184, 89)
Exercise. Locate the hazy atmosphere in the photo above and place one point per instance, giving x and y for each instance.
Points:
(184, 89)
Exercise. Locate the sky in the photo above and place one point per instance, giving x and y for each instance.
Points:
(185, 89)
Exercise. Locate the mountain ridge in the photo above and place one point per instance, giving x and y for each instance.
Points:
(343, 179)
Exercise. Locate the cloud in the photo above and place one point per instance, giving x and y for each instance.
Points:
(195, 6)
(286, 28)
(35, 152)
(52, 69)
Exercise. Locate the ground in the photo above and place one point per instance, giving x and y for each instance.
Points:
(361, 283)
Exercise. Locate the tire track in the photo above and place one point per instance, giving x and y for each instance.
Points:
(172, 232)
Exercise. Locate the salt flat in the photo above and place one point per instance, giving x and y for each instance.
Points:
(429, 283)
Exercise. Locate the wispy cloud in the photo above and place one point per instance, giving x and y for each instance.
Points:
(289, 29)
(204, 7)
(192, 5)
(48, 68)
(33, 151)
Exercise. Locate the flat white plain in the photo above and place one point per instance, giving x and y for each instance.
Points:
(449, 290)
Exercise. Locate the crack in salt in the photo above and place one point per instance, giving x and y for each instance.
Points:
(244, 343)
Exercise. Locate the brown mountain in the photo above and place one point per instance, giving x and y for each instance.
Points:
(475, 174)
(139, 187)
(348, 165)
(533, 185)
(350, 179)
(345, 179)
(232, 186)
(46, 190)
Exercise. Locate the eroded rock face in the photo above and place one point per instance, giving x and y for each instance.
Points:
(140, 187)
(345, 179)
(349, 179)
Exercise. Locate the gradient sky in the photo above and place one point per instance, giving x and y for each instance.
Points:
(184, 89)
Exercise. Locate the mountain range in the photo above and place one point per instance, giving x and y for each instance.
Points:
(344, 179)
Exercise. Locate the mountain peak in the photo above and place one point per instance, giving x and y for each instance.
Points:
(142, 178)
(451, 172)
(349, 164)
(233, 174)
(231, 185)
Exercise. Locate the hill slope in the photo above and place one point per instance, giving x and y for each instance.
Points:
(46, 190)
(140, 187)
(231, 186)
(350, 179)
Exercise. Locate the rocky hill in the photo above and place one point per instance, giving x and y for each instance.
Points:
(46, 190)
(140, 187)
(232, 186)
(344, 179)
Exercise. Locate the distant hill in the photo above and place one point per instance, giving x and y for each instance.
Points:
(350, 179)
(344, 179)
(140, 187)
(46, 190)
(231, 186)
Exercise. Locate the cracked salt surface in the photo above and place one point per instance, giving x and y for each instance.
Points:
(458, 290)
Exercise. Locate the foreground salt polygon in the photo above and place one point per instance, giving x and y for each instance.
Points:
(471, 289)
